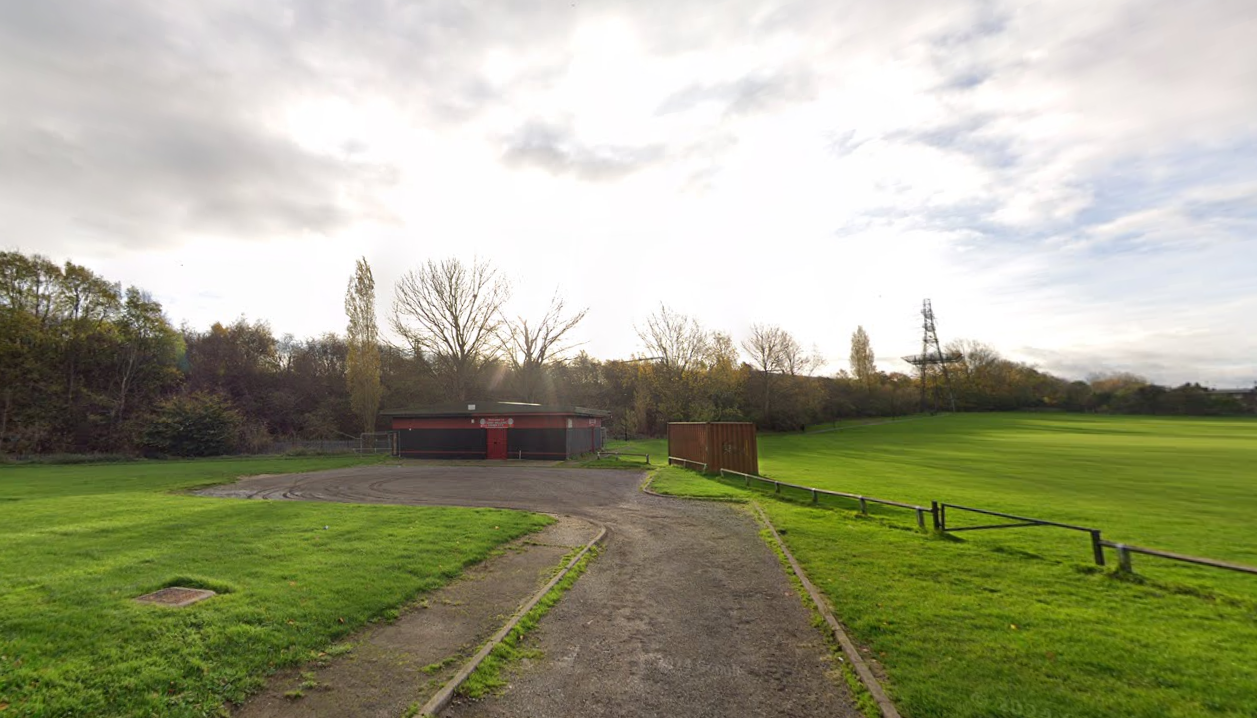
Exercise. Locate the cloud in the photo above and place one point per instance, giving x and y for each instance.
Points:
(1066, 174)
(753, 93)
(135, 128)
(556, 149)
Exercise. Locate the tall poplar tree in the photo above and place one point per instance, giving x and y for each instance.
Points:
(862, 358)
(362, 365)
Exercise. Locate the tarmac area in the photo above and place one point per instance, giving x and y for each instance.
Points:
(685, 612)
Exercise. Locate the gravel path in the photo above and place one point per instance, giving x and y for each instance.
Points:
(686, 612)
(391, 664)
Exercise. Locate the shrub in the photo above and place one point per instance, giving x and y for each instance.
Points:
(193, 425)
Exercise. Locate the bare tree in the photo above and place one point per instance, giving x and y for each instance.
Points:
(451, 312)
(765, 347)
(530, 347)
(362, 364)
(797, 361)
(679, 341)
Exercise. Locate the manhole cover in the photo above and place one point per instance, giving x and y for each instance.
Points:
(176, 596)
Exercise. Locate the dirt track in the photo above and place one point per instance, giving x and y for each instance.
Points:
(687, 611)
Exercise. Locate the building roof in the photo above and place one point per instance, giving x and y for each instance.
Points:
(490, 408)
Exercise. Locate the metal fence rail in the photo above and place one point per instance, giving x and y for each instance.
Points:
(687, 461)
(1097, 549)
(864, 501)
(938, 510)
(618, 454)
(1124, 551)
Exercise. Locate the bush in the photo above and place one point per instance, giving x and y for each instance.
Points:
(193, 425)
(65, 458)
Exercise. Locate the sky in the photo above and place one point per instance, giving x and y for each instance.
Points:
(1073, 182)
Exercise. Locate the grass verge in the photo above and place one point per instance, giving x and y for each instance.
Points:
(675, 481)
(632, 463)
(294, 577)
(864, 700)
(968, 630)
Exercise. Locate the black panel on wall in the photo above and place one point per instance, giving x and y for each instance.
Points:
(536, 443)
(443, 443)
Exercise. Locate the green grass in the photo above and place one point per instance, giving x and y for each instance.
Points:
(1183, 485)
(1016, 623)
(964, 630)
(681, 482)
(631, 463)
(81, 541)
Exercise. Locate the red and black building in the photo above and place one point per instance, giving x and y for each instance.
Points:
(497, 430)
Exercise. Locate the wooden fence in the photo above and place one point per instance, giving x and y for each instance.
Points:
(863, 501)
(938, 512)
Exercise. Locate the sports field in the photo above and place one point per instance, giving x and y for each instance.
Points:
(1016, 622)
(1186, 485)
(79, 542)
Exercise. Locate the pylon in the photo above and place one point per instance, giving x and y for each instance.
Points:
(932, 355)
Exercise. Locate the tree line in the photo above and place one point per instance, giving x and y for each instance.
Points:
(89, 366)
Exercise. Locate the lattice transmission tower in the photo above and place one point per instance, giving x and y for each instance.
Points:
(931, 357)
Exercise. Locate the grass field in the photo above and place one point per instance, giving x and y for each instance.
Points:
(1184, 485)
(81, 541)
(1016, 623)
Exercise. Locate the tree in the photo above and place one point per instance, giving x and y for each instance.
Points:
(452, 312)
(982, 379)
(240, 360)
(531, 347)
(678, 342)
(765, 347)
(29, 284)
(795, 360)
(725, 378)
(148, 350)
(782, 364)
(862, 366)
(362, 370)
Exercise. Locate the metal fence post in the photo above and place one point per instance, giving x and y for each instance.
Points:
(920, 518)
(776, 487)
(1123, 559)
(1097, 548)
(813, 495)
(934, 515)
(864, 507)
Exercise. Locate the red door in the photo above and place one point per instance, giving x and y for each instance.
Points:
(497, 443)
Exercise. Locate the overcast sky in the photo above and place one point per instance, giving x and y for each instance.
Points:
(1072, 182)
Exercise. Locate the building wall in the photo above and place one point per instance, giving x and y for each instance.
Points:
(537, 421)
(583, 440)
(543, 436)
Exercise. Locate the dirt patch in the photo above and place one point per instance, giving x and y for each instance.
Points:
(177, 596)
